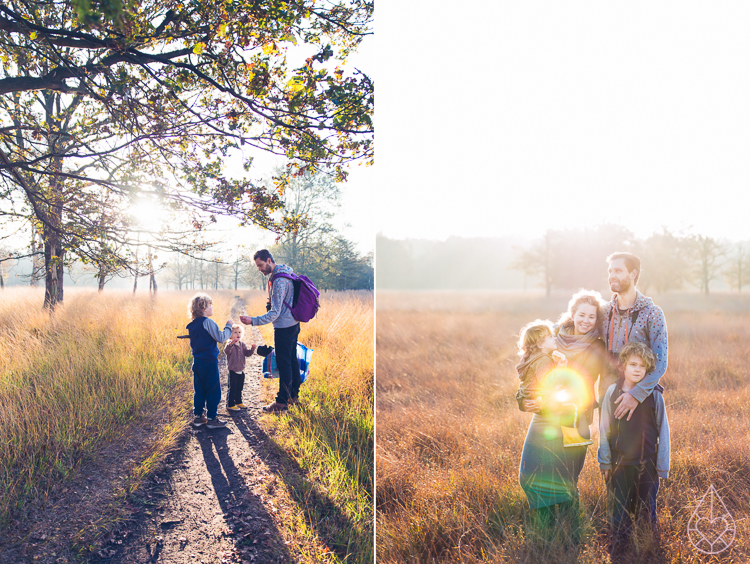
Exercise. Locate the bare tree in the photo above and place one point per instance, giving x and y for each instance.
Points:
(737, 269)
(6, 263)
(665, 261)
(708, 256)
(308, 204)
(539, 261)
(178, 271)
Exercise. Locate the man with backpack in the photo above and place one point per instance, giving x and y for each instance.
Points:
(291, 299)
(631, 317)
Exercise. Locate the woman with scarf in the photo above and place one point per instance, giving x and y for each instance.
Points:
(555, 448)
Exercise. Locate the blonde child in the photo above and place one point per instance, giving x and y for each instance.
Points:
(633, 452)
(204, 334)
(539, 355)
(236, 352)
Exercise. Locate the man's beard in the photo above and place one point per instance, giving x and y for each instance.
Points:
(624, 286)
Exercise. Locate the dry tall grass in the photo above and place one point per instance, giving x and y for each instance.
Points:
(81, 377)
(331, 435)
(449, 433)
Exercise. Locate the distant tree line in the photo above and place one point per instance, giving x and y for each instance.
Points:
(563, 260)
(458, 263)
(312, 246)
(336, 266)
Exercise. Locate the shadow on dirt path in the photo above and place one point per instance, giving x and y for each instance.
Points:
(223, 496)
(211, 502)
(315, 505)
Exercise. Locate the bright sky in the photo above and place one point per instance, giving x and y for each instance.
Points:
(500, 118)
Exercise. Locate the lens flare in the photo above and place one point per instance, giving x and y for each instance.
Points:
(567, 385)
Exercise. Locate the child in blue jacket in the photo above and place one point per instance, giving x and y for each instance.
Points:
(204, 336)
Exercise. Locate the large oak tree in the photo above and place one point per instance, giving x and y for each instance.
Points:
(102, 101)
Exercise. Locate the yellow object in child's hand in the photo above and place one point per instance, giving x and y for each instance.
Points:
(572, 438)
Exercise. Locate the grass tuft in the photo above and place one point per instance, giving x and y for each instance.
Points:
(450, 435)
(329, 438)
(79, 378)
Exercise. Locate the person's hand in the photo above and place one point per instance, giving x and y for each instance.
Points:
(533, 406)
(230, 322)
(246, 319)
(606, 474)
(253, 348)
(559, 358)
(627, 405)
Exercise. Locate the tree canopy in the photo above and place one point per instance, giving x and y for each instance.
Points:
(102, 101)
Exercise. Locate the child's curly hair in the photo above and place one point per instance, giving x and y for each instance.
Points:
(198, 304)
(641, 351)
(532, 334)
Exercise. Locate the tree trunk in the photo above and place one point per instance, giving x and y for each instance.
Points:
(101, 281)
(37, 265)
(152, 276)
(53, 271)
(53, 252)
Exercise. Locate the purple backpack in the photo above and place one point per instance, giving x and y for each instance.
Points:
(305, 304)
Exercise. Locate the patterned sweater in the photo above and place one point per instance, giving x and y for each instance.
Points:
(650, 328)
(282, 290)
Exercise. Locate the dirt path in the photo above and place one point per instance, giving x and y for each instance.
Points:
(223, 496)
(215, 501)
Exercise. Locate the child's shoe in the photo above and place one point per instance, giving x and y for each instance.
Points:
(241, 406)
(233, 408)
(215, 424)
(199, 421)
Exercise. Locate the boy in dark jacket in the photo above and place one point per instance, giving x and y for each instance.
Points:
(204, 334)
(633, 453)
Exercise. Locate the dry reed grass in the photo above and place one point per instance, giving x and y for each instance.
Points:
(81, 377)
(449, 434)
(330, 437)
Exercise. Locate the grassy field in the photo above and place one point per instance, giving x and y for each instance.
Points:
(449, 433)
(331, 436)
(89, 375)
(79, 379)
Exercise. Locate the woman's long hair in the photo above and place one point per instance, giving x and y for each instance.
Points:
(581, 297)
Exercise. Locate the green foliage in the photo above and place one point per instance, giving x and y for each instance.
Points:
(312, 245)
(112, 99)
(95, 13)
